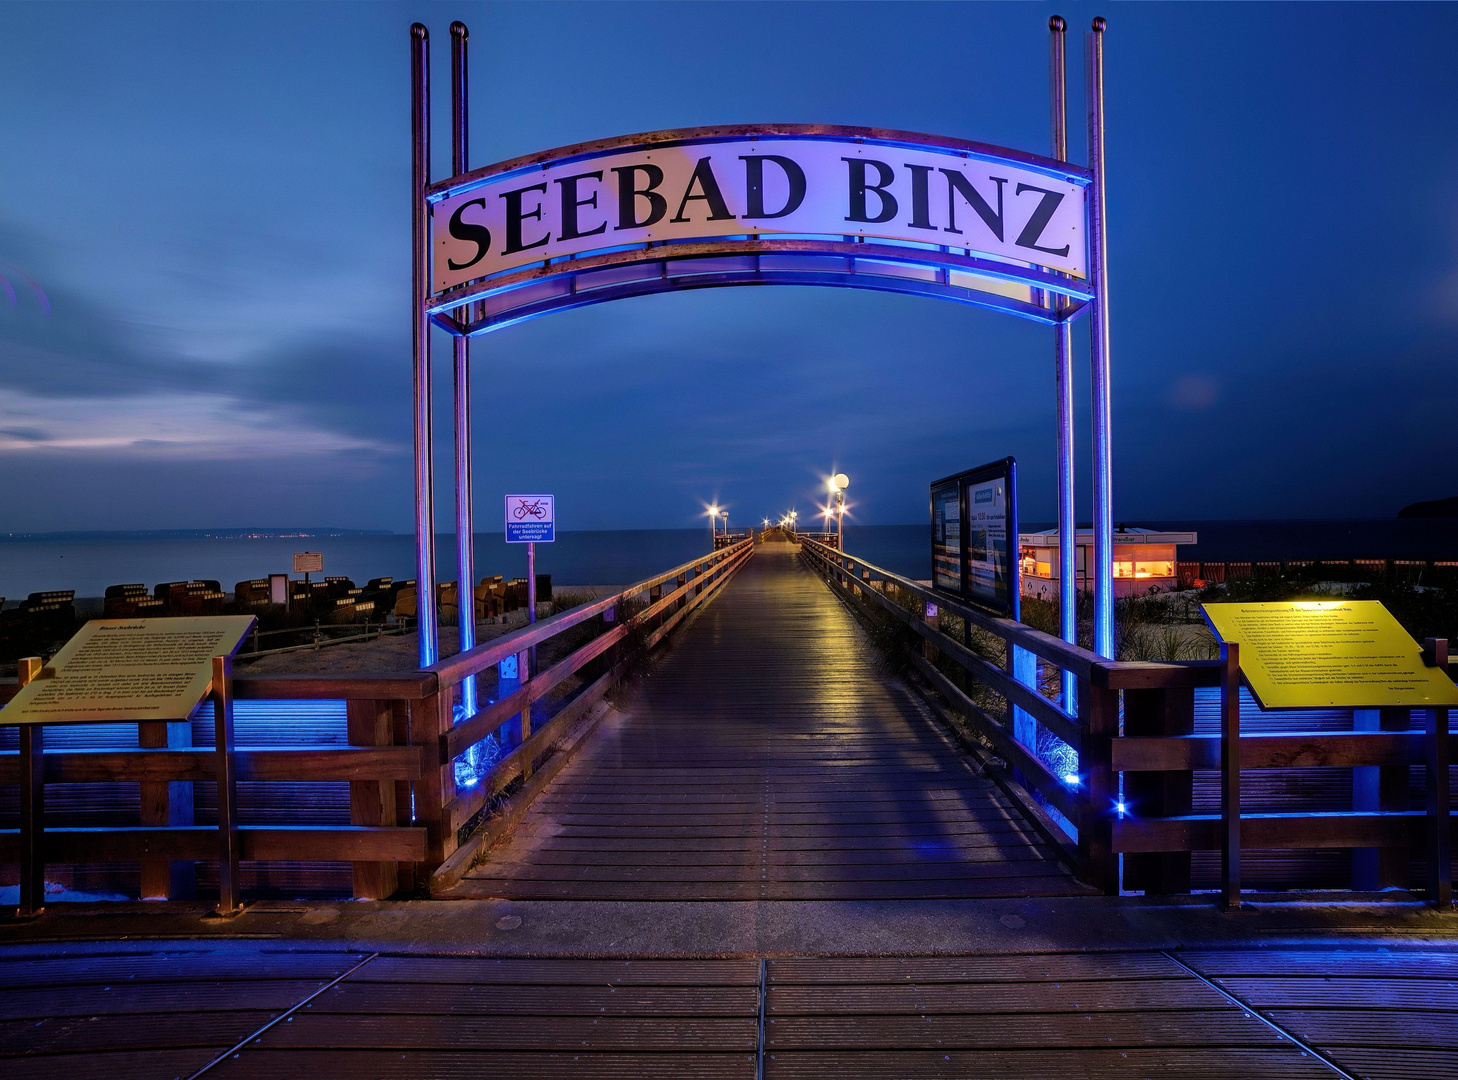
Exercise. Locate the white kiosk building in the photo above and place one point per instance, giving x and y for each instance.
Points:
(1144, 561)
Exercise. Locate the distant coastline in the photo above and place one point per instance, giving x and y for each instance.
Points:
(191, 534)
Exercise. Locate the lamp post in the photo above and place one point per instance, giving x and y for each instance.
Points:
(725, 515)
(713, 522)
(838, 483)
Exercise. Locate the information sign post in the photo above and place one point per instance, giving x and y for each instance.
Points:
(308, 562)
(1322, 654)
(1313, 654)
(128, 671)
(530, 520)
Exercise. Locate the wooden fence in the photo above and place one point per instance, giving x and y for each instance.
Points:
(1131, 806)
(407, 818)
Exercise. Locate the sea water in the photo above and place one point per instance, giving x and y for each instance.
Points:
(88, 564)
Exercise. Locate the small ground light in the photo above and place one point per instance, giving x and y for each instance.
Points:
(1071, 780)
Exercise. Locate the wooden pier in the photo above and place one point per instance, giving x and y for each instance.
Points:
(765, 759)
(770, 858)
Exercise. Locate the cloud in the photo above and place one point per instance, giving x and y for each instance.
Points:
(194, 426)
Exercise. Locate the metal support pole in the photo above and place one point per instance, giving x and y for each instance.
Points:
(532, 604)
(1063, 388)
(420, 343)
(465, 526)
(1103, 468)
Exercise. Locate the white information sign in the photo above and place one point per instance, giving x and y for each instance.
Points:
(736, 186)
(309, 562)
(530, 519)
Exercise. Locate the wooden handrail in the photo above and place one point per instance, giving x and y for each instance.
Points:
(1072, 658)
(1085, 665)
(452, 670)
(373, 686)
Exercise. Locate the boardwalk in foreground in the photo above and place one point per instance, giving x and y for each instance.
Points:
(764, 759)
(250, 1010)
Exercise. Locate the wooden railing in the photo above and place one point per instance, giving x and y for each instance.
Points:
(403, 743)
(1134, 732)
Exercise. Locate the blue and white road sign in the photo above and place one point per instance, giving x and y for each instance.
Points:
(530, 519)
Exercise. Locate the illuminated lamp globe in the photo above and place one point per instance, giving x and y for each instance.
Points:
(839, 482)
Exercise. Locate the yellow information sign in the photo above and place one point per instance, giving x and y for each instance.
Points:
(129, 669)
(1305, 654)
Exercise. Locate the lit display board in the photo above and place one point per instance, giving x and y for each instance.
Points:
(129, 669)
(974, 528)
(1304, 654)
(728, 184)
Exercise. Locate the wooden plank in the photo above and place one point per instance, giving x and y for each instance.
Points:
(179, 765)
(472, 1065)
(110, 1066)
(295, 843)
(165, 803)
(1317, 749)
(1335, 991)
(1093, 995)
(516, 999)
(113, 999)
(1322, 963)
(975, 889)
(1203, 1027)
(372, 801)
(1050, 1063)
(1400, 1063)
(1010, 968)
(637, 1034)
(1337, 829)
(172, 966)
(149, 1031)
(521, 971)
(376, 686)
(1370, 1027)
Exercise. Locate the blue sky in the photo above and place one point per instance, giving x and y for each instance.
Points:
(203, 219)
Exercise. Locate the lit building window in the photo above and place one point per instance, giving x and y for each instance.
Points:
(1160, 568)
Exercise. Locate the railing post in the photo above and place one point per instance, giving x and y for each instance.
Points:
(1230, 773)
(1098, 714)
(403, 724)
(1439, 797)
(32, 804)
(372, 802)
(230, 899)
(430, 723)
(1159, 794)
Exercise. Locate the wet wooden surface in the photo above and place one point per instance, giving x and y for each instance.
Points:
(766, 759)
(249, 1010)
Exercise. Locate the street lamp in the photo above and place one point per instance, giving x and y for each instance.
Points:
(838, 483)
(725, 513)
(714, 520)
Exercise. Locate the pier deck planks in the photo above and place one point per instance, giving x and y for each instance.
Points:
(1383, 1014)
(764, 759)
